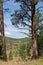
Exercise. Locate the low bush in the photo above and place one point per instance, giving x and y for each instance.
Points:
(10, 55)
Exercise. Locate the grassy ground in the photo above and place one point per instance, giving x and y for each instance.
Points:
(17, 61)
(29, 62)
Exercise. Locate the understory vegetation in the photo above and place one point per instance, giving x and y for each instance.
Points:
(20, 48)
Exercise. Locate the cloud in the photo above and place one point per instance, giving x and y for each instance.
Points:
(7, 33)
(0, 33)
(11, 31)
(17, 30)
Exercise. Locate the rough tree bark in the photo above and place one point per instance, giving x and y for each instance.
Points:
(34, 34)
(2, 32)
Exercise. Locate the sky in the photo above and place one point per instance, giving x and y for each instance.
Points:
(10, 30)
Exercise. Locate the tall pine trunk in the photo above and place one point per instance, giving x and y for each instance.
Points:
(34, 34)
(2, 32)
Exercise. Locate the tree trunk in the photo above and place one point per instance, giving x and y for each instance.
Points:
(34, 34)
(2, 33)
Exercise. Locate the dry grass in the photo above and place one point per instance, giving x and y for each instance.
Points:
(29, 62)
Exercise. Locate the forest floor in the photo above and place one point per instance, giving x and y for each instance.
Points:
(29, 62)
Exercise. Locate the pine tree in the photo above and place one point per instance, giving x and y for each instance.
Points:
(4, 57)
(24, 16)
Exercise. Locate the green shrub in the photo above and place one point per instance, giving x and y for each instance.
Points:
(22, 51)
(10, 55)
(28, 47)
(15, 52)
(40, 44)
